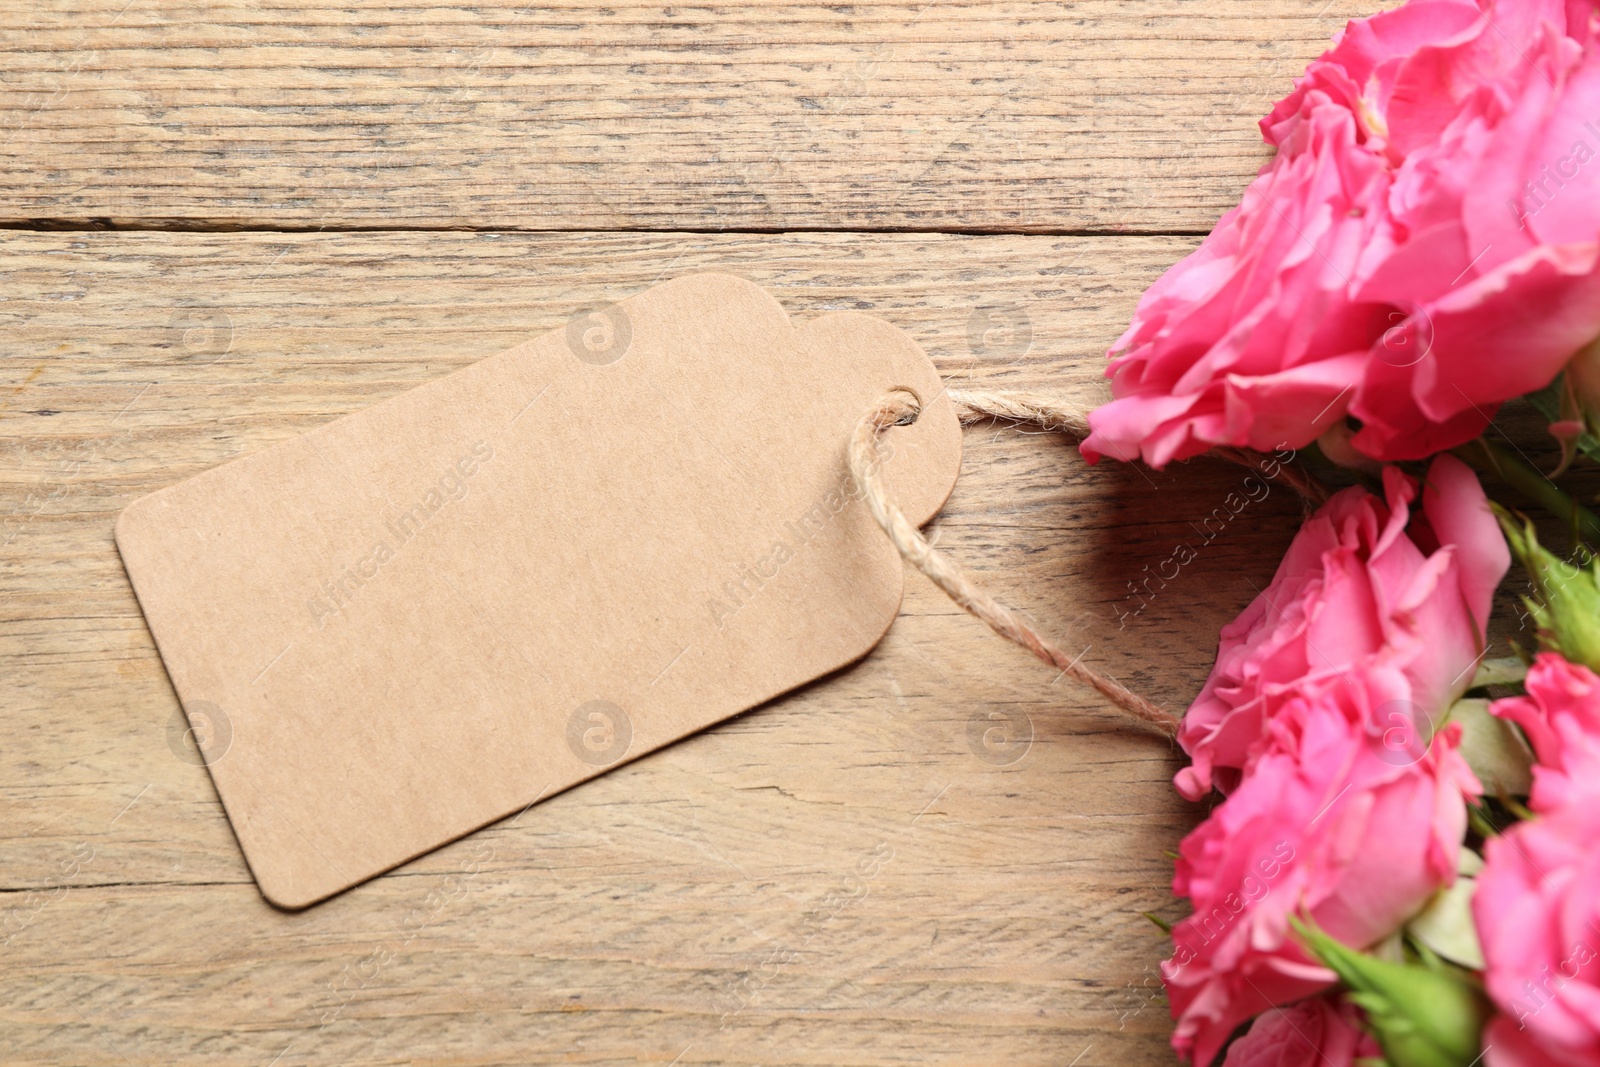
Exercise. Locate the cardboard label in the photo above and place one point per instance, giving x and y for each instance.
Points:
(427, 615)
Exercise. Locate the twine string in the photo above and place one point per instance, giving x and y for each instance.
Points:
(900, 408)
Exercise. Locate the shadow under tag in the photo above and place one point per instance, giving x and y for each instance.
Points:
(430, 614)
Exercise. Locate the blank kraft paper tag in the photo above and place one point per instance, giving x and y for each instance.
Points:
(427, 615)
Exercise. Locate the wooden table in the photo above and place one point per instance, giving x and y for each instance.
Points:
(227, 224)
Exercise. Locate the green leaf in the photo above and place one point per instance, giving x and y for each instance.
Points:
(1446, 927)
(1508, 671)
(1493, 749)
(1422, 1016)
(1566, 594)
(1548, 403)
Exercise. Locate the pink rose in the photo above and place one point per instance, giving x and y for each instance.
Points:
(1325, 823)
(1424, 245)
(1360, 597)
(1561, 718)
(1313, 1033)
(1537, 909)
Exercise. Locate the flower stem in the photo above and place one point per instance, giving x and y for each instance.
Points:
(1528, 480)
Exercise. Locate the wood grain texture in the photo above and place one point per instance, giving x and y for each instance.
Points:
(849, 875)
(1041, 117)
(937, 856)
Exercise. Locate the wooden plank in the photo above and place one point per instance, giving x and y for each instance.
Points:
(1017, 116)
(846, 876)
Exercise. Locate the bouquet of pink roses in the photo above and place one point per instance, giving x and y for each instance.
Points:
(1402, 863)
